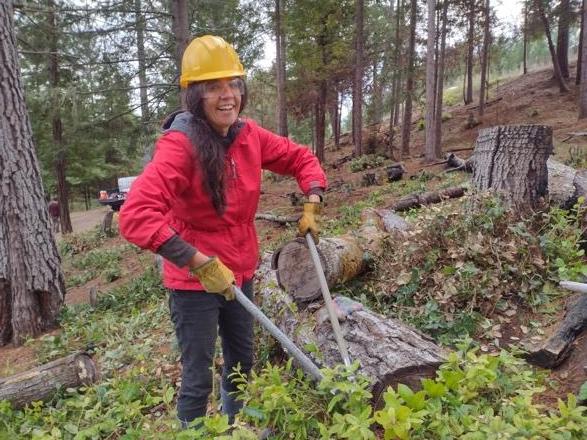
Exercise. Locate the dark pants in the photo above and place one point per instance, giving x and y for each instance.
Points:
(198, 318)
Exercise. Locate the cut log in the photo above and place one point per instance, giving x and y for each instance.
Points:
(387, 350)
(558, 347)
(416, 200)
(511, 160)
(42, 382)
(281, 219)
(342, 257)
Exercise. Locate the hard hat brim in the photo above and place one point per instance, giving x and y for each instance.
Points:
(184, 82)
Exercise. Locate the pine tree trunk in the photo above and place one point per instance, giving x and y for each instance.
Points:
(583, 86)
(511, 160)
(377, 96)
(181, 31)
(580, 50)
(142, 73)
(440, 84)
(407, 123)
(525, 31)
(485, 57)
(60, 163)
(557, 71)
(335, 120)
(280, 70)
(395, 83)
(470, 48)
(430, 148)
(31, 282)
(358, 80)
(321, 120)
(562, 40)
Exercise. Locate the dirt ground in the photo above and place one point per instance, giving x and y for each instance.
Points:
(533, 98)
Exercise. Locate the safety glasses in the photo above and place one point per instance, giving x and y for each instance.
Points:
(217, 88)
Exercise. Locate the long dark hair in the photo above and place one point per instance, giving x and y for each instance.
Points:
(210, 146)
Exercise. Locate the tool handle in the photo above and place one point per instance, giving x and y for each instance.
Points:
(306, 363)
(328, 301)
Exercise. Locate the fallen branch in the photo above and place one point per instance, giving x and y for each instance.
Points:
(571, 135)
(427, 198)
(281, 219)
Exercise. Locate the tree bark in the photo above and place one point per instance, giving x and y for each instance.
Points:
(43, 382)
(430, 148)
(358, 80)
(31, 281)
(407, 123)
(280, 70)
(485, 57)
(583, 87)
(562, 40)
(57, 126)
(181, 32)
(557, 71)
(470, 48)
(511, 160)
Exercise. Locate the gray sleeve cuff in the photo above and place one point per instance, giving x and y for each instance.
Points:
(177, 250)
(317, 191)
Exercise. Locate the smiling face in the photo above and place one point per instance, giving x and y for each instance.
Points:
(222, 102)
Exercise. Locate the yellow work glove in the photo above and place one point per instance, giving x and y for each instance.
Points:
(215, 277)
(309, 220)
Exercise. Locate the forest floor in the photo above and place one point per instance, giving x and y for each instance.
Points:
(529, 99)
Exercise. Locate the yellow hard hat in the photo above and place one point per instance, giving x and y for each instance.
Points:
(209, 57)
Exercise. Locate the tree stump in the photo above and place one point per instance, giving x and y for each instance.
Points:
(395, 172)
(369, 179)
(42, 382)
(106, 227)
(511, 160)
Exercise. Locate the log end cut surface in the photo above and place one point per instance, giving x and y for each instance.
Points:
(296, 273)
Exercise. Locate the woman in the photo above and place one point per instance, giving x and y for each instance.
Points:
(195, 205)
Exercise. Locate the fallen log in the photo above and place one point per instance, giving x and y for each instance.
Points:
(281, 219)
(343, 257)
(565, 184)
(416, 200)
(559, 345)
(42, 382)
(388, 351)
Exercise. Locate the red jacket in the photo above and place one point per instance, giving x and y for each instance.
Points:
(169, 198)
